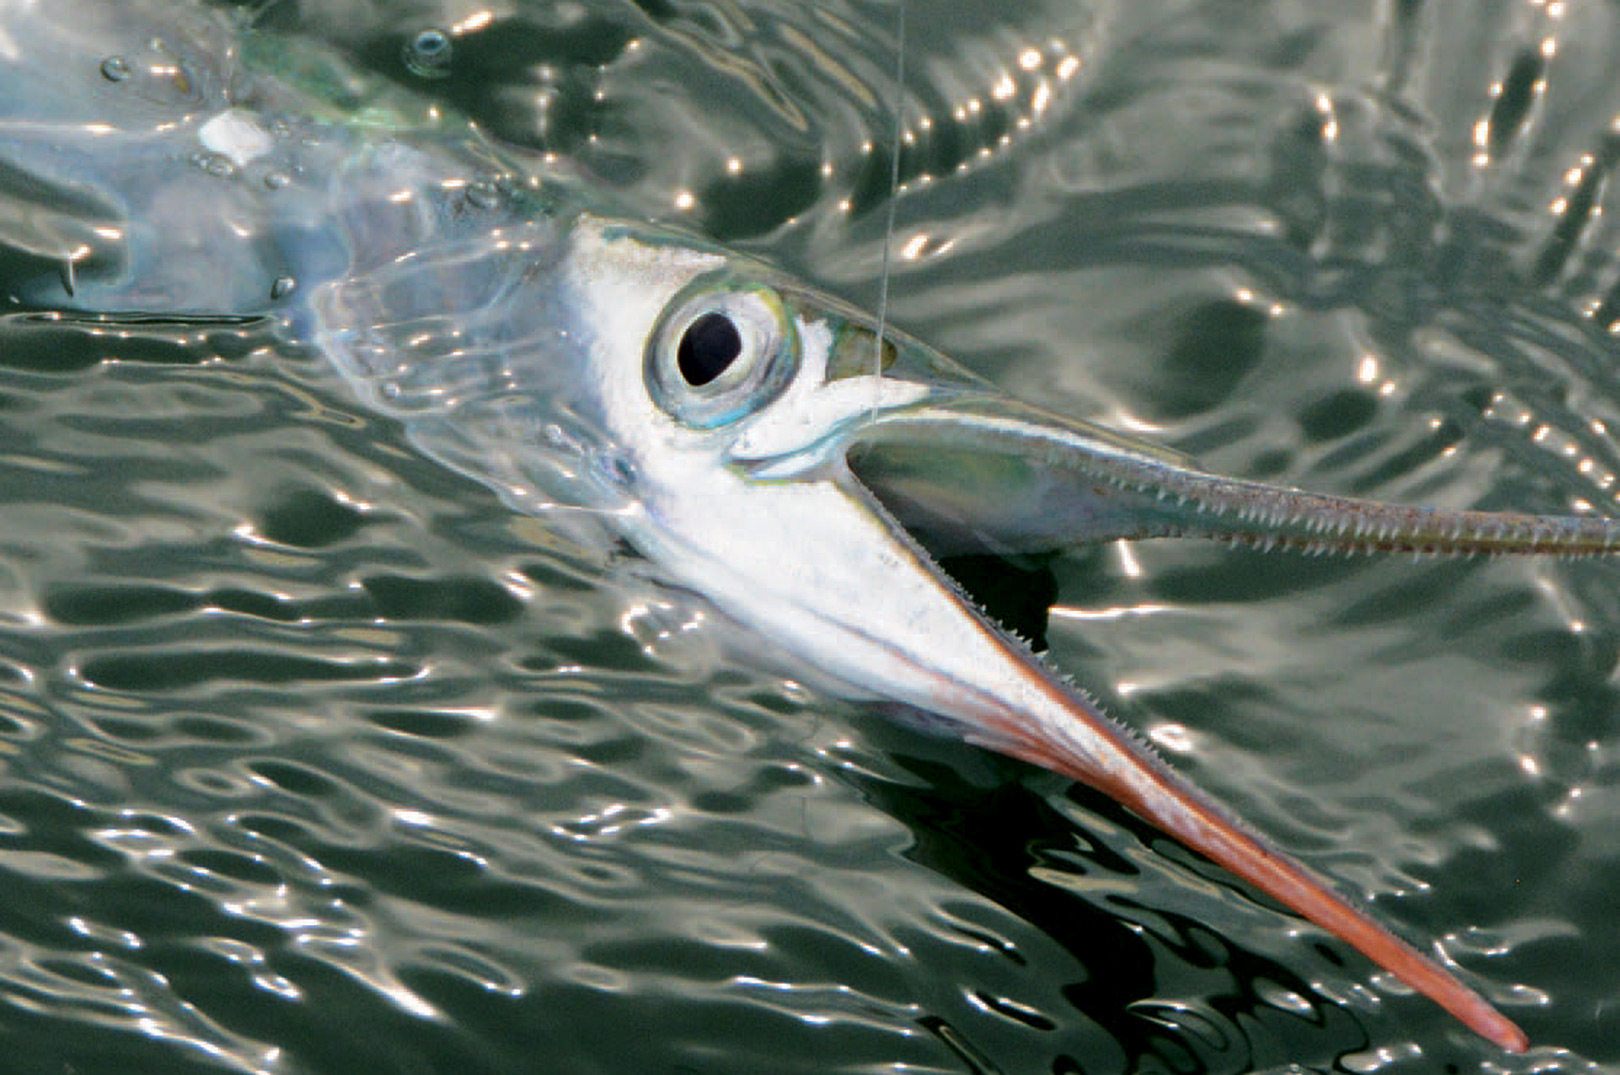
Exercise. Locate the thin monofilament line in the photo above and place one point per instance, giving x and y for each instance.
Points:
(894, 196)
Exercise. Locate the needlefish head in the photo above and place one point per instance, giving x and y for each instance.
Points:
(756, 442)
(802, 475)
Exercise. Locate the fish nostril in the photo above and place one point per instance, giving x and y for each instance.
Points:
(707, 349)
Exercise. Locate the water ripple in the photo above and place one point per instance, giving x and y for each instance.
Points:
(315, 759)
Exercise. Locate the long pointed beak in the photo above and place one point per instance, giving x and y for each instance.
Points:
(857, 471)
(964, 467)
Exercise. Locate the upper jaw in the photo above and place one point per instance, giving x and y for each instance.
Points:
(966, 468)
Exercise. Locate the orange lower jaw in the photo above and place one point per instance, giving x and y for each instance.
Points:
(1133, 776)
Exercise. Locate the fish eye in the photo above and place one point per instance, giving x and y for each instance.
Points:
(723, 349)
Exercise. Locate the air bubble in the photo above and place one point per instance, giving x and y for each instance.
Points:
(216, 164)
(428, 54)
(115, 69)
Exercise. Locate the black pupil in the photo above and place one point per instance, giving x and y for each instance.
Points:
(708, 348)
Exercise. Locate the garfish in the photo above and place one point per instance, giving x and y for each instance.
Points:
(759, 442)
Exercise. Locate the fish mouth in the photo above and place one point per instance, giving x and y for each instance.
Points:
(993, 491)
(937, 466)
(990, 475)
(960, 465)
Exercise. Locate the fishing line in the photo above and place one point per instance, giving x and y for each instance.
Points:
(894, 196)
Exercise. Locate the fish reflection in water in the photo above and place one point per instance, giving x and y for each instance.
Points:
(753, 439)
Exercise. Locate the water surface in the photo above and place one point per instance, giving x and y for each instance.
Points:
(316, 759)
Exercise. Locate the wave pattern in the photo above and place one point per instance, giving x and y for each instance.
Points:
(317, 759)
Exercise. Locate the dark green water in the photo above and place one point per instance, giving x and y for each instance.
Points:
(316, 759)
